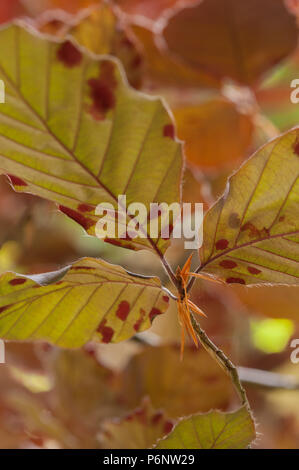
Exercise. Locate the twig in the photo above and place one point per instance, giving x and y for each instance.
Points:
(266, 379)
(229, 368)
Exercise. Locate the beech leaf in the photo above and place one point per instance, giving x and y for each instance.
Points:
(82, 136)
(251, 235)
(214, 430)
(91, 299)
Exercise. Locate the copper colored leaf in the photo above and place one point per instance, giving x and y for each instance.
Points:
(251, 235)
(89, 298)
(215, 133)
(214, 430)
(232, 38)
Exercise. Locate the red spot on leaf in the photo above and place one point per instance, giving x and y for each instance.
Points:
(140, 320)
(296, 147)
(228, 264)
(253, 270)
(85, 208)
(168, 131)
(69, 55)
(154, 312)
(85, 222)
(221, 244)
(165, 298)
(235, 280)
(86, 268)
(102, 91)
(17, 281)
(168, 427)
(3, 308)
(282, 218)
(123, 310)
(17, 181)
(106, 331)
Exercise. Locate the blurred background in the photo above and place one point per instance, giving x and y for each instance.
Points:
(225, 107)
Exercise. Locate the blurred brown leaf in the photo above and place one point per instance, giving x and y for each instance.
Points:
(237, 39)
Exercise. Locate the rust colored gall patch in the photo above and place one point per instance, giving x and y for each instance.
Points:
(106, 331)
(154, 313)
(228, 264)
(102, 91)
(168, 427)
(102, 96)
(166, 298)
(140, 320)
(123, 310)
(296, 147)
(221, 244)
(85, 208)
(69, 55)
(253, 270)
(235, 280)
(254, 232)
(234, 220)
(17, 281)
(17, 181)
(168, 131)
(85, 222)
(3, 308)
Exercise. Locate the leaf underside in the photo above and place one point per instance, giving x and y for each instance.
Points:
(251, 235)
(214, 430)
(92, 299)
(81, 136)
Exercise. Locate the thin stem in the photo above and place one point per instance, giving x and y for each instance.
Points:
(267, 127)
(225, 363)
(169, 271)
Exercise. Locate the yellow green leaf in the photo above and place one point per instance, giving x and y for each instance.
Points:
(91, 298)
(81, 136)
(214, 430)
(251, 235)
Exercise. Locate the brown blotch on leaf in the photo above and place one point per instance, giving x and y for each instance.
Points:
(69, 55)
(17, 281)
(221, 244)
(296, 147)
(235, 280)
(282, 218)
(253, 270)
(140, 320)
(165, 298)
(234, 220)
(106, 331)
(5, 307)
(102, 91)
(228, 264)
(116, 242)
(168, 131)
(85, 268)
(16, 181)
(123, 310)
(77, 217)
